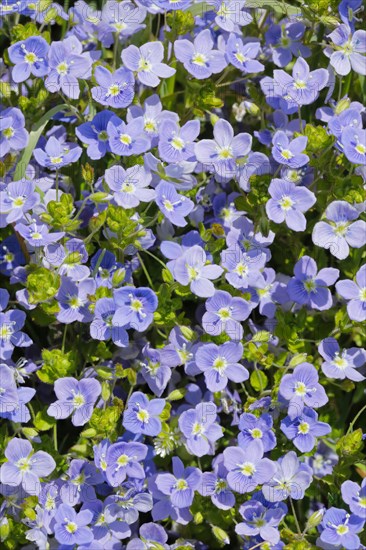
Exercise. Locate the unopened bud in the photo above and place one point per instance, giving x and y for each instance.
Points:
(315, 519)
(220, 534)
(342, 105)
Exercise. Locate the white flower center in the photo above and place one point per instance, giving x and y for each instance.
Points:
(247, 469)
(286, 203)
(62, 68)
(199, 59)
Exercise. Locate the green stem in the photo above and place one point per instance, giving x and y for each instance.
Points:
(147, 275)
(155, 258)
(57, 183)
(355, 419)
(64, 339)
(295, 516)
(300, 120)
(55, 436)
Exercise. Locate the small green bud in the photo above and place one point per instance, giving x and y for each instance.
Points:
(4, 529)
(342, 105)
(118, 276)
(315, 519)
(99, 197)
(220, 534)
(175, 395)
(214, 118)
(187, 332)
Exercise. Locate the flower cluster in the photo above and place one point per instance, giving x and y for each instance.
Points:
(183, 277)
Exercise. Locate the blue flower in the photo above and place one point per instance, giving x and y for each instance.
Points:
(290, 479)
(175, 143)
(200, 429)
(247, 468)
(135, 307)
(56, 155)
(180, 485)
(142, 416)
(29, 57)
(13, 135)
(71, 527)
(103, 327)
(199, 58)
(221, 364)
(147, 63)
(67, 64)
(304, 86)
(95, 134)
(76, 398)
(127, 139)
(123, 459)
(129, 186)
(340, 529)
(304, 429)
(24, 467)
(191, 268)
(114, 89)
(242, 55)
(173, 205)
(252, 427)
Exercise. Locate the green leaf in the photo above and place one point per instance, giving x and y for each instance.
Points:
(176, 395)
(258, 380)
(55, 365)
(350, 443)
(297, 360)
(276, 5)
(34, 136)
(43, 422)
(261, 336)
